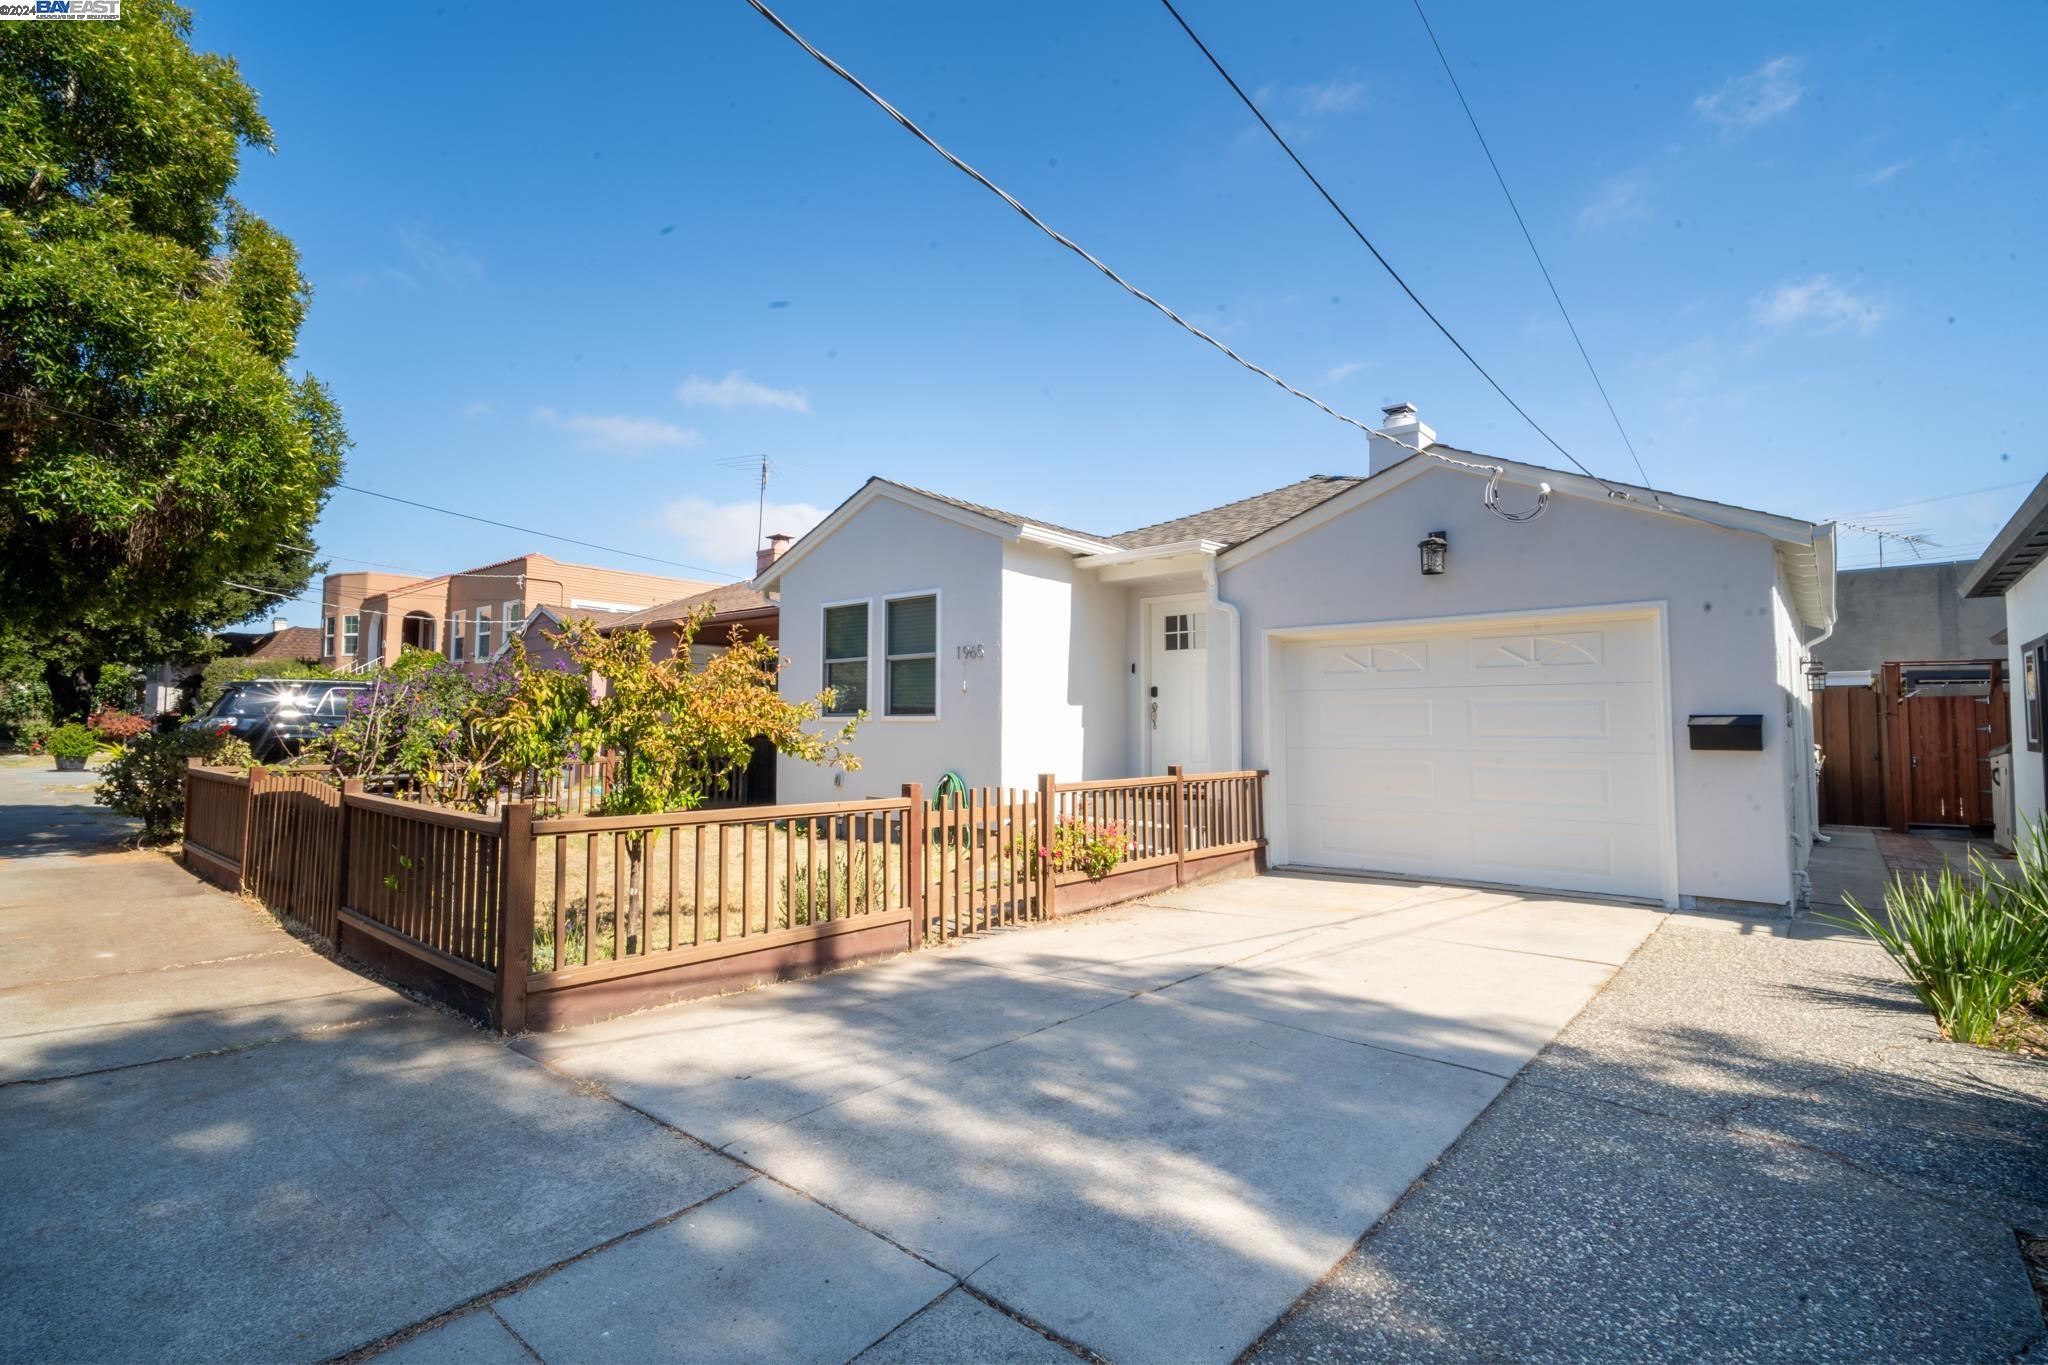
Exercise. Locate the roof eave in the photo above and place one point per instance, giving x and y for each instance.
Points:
(1988, 577)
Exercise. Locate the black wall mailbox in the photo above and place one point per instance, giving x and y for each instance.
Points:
(1726, 732)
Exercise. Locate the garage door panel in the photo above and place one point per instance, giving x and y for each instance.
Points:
(1608, 652)
(1570, 787)
(1530, 755)
(1598, 859)
(1608, 718)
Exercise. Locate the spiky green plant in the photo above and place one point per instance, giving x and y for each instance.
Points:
(1974, 946)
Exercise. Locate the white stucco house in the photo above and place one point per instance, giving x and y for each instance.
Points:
(1526, 716)
(2010, 567)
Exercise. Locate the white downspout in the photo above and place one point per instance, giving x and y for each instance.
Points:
(1235, 707)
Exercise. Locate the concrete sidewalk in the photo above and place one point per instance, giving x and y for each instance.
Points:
(1753, 1144)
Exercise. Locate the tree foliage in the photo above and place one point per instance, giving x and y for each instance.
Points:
(154, 446)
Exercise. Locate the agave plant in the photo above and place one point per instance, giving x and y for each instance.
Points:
(1974, 945)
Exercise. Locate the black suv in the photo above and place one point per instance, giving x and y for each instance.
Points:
(276, 716)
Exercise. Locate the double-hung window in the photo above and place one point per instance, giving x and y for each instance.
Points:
(483, 632)
(846, 657)
(456, 639)
(327, 639)
(515, 616)
(913, 655)
(350, 634)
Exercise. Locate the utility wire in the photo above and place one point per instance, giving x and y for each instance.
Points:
(1515, 209)
(530, 531)
(1357, 232)
(1495, 472)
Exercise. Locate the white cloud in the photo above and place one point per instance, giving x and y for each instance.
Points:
(738, 391)
(723, 533)
(478, 408)
(621, 435)
(1345, 371)
(1884, 173)
(1622, 199)
(1819, 303)
(1745, 102)
(436, 257)
(1315, 100)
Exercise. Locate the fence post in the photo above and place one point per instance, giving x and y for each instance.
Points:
(1259, 818)
(1179, 806)
(186, 827)
(914, 854)
(515, 916)
(1045, 877)
(247, 875)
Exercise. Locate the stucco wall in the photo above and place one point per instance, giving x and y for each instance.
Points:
(1222, 743)
(1361, 567)
(1061, 652)
(2026, 616)
(889, 548)
(1910, 611)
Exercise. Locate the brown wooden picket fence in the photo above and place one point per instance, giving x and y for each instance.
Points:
(981, 866)
(216, 822)
(550, 921)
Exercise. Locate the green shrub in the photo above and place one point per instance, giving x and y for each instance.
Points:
(72, 741)
(146, 780)
(1974, 946)
(31, 733)
(1077, 846)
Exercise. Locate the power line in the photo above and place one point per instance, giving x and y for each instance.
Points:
(1357, 232)
(530, 531)
(1515, 209)
(1495, 472)
(1950, 497)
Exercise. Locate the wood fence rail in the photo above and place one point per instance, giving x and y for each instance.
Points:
(563, 919)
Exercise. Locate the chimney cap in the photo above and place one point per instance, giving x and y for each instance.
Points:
(1393, 410)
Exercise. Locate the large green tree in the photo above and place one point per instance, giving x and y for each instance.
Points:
(155, 448)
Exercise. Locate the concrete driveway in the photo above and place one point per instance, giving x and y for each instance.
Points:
(1144, 1132)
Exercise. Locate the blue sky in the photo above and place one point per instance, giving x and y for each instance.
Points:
(566, 266)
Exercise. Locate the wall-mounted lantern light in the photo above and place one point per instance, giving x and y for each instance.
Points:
(1816, 675)
(1436, 552)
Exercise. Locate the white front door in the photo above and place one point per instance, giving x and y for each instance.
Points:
(1530, 753)
(1175, 709)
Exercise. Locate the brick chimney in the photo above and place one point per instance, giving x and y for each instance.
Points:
(777, 543)
(1409, 436)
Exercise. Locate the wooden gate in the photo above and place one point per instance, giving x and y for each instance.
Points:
(981, 868)
(293, 858)
(1848, 725)
(1939, 750)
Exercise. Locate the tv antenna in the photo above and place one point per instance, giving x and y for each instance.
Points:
(765, 467)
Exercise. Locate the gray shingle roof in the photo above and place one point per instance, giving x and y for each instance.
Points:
(1236, 522)
(993, 513)
(730, 599)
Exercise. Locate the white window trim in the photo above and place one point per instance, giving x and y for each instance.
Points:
(351, 634)
(938, 636)
(458, 642)
(480, 640)
(329, 635)
(514, 612)
(825, 661)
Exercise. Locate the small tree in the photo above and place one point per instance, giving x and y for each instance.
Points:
(681, 731)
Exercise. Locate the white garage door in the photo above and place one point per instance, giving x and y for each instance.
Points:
(1529, 754)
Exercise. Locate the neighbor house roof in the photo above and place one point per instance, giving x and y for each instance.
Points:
(293, 642)
(562, 615)
(2017, 548)
(732, 599)
(1236, 522)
